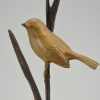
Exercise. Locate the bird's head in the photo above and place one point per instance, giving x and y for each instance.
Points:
(35, 26)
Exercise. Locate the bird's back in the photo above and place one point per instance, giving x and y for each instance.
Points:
(61, 44)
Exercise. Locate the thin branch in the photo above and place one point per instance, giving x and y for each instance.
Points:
(50, 21)
(47, 84)
(51, 13)
(24, 66)
(55, 8)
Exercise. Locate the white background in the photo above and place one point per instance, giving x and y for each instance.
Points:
(77, 23)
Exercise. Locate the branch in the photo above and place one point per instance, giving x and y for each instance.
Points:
(55, 8)
(24, 66)
(50, 21)
(51, 13)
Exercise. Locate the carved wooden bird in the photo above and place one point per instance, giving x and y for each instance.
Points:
(50, 48)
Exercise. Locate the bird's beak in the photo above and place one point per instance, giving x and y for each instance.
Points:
(24, 25)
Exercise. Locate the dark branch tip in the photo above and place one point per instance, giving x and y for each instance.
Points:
(10, 32)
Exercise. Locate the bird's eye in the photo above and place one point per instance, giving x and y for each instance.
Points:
(34, 26)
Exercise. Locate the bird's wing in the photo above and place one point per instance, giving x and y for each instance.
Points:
(55, 55)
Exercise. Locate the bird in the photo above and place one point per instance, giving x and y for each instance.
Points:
(51, 48)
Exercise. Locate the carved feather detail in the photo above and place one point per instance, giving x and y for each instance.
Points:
(55, 55)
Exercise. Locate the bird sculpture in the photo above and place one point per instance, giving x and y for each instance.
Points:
(50, 48)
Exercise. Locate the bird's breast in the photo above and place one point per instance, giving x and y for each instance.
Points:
(37, 47)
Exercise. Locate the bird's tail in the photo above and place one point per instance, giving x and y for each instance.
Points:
(91, 63)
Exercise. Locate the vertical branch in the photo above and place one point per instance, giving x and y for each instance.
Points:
(47, 84)
(51, 12)
(24, 66)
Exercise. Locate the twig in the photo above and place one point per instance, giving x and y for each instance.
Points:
(24, 66)
(51, 13)
(50, 21)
